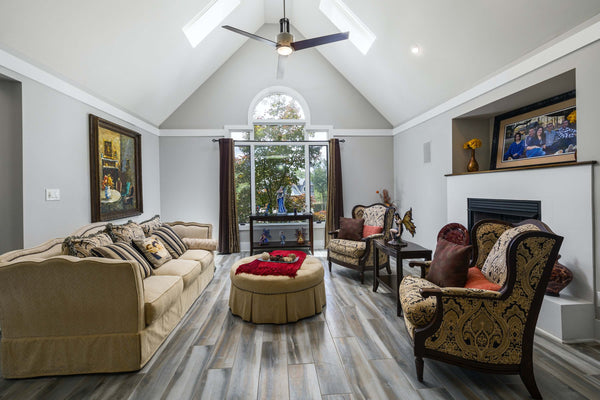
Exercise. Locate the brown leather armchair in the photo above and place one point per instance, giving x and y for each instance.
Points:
(486, 330)
(359, 255)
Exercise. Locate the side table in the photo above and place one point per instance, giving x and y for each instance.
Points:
(391, 281)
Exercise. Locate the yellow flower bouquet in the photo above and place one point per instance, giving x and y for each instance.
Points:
(472, 144)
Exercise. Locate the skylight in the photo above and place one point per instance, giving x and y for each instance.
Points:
(208, 19)
(345, 20)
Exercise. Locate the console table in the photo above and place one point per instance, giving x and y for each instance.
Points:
(274, 244)
(390, 281)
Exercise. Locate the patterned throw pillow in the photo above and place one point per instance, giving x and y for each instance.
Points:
(125, 233)
(150, 225)
(122, 251)
(494, 267)
(153, 251)
(80, 246)
(171, 240)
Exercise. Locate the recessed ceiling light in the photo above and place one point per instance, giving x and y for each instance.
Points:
(208, 19)
(416, 50)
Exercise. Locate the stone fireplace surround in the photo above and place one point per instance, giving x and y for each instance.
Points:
(565, 195)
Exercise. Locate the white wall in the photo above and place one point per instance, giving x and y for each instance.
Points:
(423, 186)
(224, 98)
(56, 155)
(11, 166)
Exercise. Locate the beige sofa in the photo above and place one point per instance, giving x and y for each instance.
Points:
(64, 315)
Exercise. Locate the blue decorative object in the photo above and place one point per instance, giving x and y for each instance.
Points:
(280, 199)
(264, 237)
(282, 238)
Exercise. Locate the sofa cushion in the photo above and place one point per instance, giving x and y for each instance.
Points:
(450, 264)
(205, 257)
(153, 251)
(417, 309)
(160, 294)
(351, 228)
(122, 251)
(81, 246)
(171, 240)
(349, 248)
(188, 270)
(202, 244)
(125, 233)
(494, 267)
(150, 225)
(476, 280)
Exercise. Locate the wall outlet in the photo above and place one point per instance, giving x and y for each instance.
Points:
(52, 194)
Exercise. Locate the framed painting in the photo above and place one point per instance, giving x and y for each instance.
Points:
(115, 170)
(540, 133)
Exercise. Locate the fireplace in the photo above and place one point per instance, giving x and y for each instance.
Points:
(503, 210)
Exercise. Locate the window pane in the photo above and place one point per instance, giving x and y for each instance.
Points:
(318, 135)
(278, 106)
(242, 183)
(279, 176)
(240, 135)
(278, 133)
(318, 182)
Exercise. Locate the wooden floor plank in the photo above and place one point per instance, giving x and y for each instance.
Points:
(392, 379)
(303, 382)
(214, 384)
(188, 374)
(298, 343)
(273, 381)
(243, 383)
(226, 346)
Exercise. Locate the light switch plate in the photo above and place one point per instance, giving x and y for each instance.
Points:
(52, 194)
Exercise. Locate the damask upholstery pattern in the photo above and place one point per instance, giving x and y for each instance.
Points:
(374, 215)
(350, 248)
(417, 309)
(491, 330)
(494, 267)
(486, 236)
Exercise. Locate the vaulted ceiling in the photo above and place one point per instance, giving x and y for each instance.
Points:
(134, 54)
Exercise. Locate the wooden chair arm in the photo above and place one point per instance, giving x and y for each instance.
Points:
(424, 265)
(334, 232)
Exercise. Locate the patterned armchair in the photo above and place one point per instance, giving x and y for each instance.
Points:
(482, 329)
(359, 255)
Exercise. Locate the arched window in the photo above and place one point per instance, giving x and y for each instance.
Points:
(278, 155)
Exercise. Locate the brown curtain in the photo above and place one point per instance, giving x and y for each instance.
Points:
(335, 200)
(229, 233)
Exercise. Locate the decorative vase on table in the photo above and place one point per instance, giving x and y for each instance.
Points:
(473, 165)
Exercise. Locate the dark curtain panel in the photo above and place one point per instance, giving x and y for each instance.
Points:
(335, 200)
(229, 233)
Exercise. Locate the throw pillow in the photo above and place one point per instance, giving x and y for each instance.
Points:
(125, 233)
(494, 267)
(122, 251)
(170, 240)
(150, 225)
(80, 246)
(450, 264)
(351, 228)
(369, 230)
(476, 280)
(153, 250)
(202, 244)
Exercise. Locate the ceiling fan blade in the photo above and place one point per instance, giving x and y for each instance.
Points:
(281, 62)
(304, 44)
(250, 35)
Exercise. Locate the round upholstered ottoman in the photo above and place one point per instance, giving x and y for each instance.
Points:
(277, 299)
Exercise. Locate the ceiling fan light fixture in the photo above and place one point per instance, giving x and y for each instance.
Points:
(284, 50)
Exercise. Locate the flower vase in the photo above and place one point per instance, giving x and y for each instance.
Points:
(473, 165)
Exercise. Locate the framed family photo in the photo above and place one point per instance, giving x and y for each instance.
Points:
(540, 133)
(115, 170)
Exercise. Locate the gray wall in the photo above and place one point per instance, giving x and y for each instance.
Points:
(189, 174)
(56, 155)
(423, 186)
(11, 166)
(225, 97)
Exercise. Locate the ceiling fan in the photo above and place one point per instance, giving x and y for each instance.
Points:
(285, 44)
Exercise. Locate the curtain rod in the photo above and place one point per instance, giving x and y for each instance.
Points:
(288, 141)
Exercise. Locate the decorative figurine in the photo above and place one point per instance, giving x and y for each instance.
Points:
(300, 236)
(257, 210)
(405, 222)
(268, 209)
(264, 237)
(280, 199)
(282, 238)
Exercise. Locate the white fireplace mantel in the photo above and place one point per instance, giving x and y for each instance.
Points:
(567, 207)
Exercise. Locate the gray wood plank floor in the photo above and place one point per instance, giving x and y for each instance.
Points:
(356, 349)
